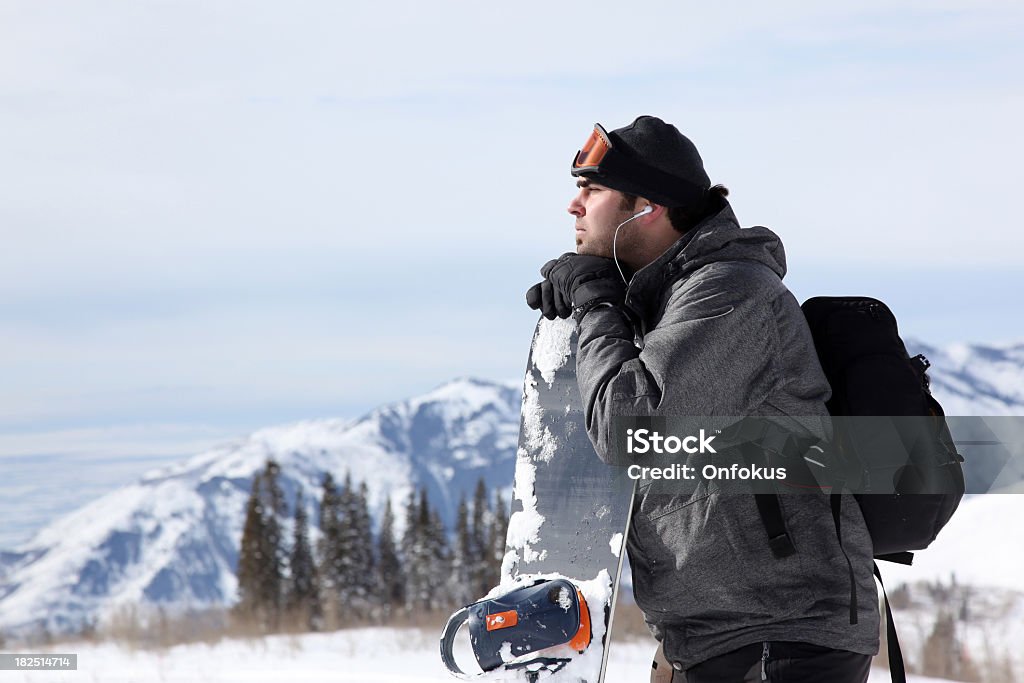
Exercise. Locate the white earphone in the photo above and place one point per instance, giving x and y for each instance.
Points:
(615, 255)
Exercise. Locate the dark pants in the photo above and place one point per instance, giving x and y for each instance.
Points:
(785, 662)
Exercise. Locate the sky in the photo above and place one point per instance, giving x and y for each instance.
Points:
(218, 216)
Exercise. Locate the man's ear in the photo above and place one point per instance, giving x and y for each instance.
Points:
(646, 207)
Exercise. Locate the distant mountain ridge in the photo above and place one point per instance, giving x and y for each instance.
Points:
(172, 537)
(976, 379)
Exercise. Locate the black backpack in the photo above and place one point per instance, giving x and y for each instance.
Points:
(906, 500)
(871, 374)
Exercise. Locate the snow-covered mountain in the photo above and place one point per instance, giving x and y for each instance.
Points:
(172, 537)
(973, 381)
(976, 379)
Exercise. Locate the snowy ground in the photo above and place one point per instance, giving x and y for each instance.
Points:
(373, 655)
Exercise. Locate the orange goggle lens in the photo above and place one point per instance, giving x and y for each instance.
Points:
(594, 149)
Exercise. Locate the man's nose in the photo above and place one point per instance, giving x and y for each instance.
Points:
(576, 207)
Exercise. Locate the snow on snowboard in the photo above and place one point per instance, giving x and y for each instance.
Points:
(550, 617)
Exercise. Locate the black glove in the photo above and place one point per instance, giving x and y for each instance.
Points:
(576, 281)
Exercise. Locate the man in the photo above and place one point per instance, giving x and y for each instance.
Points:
(681, 312)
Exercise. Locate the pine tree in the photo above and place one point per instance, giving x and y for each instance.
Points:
(498, 535)
(439, 564)
(272, 579)
(328, 522)
(481, 541)
(390, 572)
(412, 554)
(250, 556)
(303, 593)
(261, 556)
(328, 550)
(418, 553)
(328, 502)
(461, 585)
(363, 562)
(370, 548)
(346, 559)
(426, 557)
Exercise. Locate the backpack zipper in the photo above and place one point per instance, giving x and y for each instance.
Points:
(764, 661)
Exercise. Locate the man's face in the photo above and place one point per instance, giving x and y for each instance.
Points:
(598, 211)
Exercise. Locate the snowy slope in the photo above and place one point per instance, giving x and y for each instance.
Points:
(355, 656)
(988, 623)
(983, 545)
(974, 571)
(172, 537)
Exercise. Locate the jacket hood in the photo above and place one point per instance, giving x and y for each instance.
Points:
(717, 238)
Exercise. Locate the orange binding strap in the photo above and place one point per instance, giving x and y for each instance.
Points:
(581, 640)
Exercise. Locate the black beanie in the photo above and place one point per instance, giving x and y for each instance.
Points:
(675, 173)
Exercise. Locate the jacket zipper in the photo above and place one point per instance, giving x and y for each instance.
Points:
(764, 662)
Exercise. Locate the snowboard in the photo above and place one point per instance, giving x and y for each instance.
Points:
(570, 511)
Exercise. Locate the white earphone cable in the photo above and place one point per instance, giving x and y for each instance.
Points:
(615, 237)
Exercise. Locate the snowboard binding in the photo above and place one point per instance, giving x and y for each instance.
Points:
(528, 619)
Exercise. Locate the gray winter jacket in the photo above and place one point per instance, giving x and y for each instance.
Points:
(723, 336)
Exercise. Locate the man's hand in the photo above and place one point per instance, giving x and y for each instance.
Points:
(576, 281)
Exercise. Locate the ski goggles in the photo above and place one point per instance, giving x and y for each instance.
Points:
(593, 152)
(622, 172)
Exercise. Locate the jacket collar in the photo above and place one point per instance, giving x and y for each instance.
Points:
(717, 238)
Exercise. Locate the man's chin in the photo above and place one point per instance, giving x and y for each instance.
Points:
(584, 250)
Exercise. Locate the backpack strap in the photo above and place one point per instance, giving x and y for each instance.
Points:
(771, 515)
(836, 503)
(897, 670)
(906, 558)
(769, 508)
(757, 439)
(771, 438)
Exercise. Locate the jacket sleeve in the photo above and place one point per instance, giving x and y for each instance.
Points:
(710, 354)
